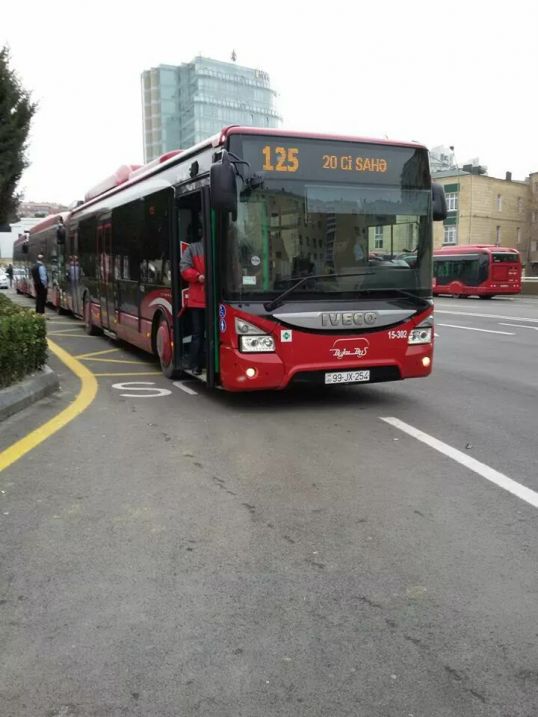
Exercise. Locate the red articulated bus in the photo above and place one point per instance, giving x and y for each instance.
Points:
(482, 270)
(304, 238)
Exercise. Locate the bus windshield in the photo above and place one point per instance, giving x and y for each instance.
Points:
(357, 236)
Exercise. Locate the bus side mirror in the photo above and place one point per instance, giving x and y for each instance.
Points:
(223, 185)
(438, 202)
(60, 234)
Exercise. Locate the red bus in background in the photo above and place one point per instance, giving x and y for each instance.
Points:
(304, 238)
(482, 270)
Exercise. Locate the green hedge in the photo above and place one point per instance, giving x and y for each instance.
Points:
(23, 342)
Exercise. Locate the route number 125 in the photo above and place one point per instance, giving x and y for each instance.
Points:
(280, 159)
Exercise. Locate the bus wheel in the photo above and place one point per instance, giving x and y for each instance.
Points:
(165, 350)
(90, 329)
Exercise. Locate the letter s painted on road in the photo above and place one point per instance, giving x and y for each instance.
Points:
(146, 389)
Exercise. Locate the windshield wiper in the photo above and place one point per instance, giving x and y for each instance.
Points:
(271, 305)
(400, 292)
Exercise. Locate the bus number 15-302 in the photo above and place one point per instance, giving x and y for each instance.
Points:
(398, 334)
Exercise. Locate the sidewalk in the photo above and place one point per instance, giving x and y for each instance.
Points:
(32, 388)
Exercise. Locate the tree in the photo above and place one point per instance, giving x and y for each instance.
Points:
(16, 112)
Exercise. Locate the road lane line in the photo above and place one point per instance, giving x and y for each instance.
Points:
(96, 353)
(76, 336)
(501, 480)
(471, 328)
(181, 385)
(486, 316)
(85, 396)
(132, 373)
(109, 360)
(519, 326)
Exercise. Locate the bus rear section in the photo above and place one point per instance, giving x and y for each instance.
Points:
(477, 270)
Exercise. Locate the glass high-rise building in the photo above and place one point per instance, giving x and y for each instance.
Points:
(185, 104)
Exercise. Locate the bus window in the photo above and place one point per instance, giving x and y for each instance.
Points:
(505, 257)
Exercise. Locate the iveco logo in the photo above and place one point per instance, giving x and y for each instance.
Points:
(341, 319)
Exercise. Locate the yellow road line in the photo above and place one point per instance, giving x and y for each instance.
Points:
(107, 360)
(60, 332)
(87, 393)
(135, 373)
(77, 336)
(96, 353)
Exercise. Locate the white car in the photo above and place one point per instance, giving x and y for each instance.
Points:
(4, 281)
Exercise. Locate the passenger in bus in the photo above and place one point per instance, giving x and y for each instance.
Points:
(41, 282)
(192, 267)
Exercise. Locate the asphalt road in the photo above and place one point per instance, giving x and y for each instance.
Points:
(174, 553)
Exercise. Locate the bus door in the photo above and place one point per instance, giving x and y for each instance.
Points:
(106, 286)
(193, 221)
(73, 273)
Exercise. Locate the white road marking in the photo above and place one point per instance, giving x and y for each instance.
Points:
(471, 328)
(519, 326)
(487, 316)
(501, 480)
(146, 389)
(181, 385)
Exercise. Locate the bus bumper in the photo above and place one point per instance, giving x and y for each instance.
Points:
(259, 372)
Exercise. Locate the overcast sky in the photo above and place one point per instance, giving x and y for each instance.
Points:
(458, 73)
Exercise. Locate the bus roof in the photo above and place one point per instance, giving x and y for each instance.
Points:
(473, 249)
(238, 129)
(127, 175)
(49, 221)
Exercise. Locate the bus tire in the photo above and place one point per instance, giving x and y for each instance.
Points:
(89, 327)
(164, 348)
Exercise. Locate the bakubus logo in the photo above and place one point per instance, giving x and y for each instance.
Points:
(350, 348)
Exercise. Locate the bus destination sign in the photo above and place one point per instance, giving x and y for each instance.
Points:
(328, 161)
(286, 159)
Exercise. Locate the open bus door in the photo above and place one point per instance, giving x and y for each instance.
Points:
(192, 210)
(106, 285)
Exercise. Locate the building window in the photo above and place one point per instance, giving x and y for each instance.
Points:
(519, 205)
(518, 236)
(499, 203)
(498, 236)
(378, 238)
(452, 201)
(450, 235)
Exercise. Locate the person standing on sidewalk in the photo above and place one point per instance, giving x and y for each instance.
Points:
(41, 283)
(9, 272)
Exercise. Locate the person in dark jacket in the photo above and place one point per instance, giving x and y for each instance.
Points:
(192, 267)
(41, 283)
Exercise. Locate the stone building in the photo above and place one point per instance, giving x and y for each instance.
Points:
(488, 210)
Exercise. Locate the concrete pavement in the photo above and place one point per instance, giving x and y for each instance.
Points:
(171, 553)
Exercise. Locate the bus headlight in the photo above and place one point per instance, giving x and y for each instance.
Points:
(256, 344)
(420, 335)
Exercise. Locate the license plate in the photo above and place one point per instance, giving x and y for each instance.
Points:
(347, 377)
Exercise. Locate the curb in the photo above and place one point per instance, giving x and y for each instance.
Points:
(38, 385)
